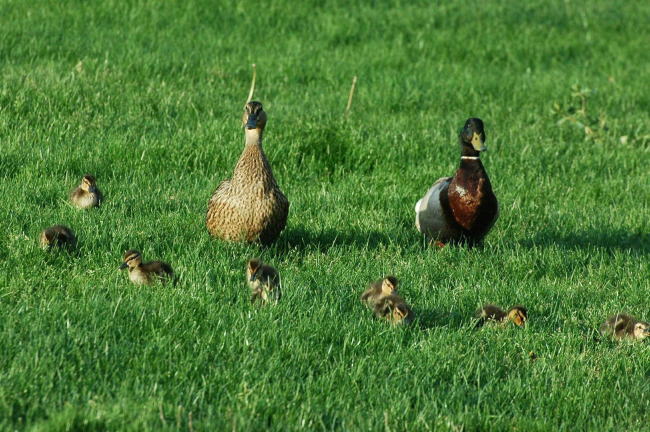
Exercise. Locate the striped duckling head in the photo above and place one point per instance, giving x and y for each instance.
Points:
(132, 259)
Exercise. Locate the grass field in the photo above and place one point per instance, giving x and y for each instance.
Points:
(148, 97)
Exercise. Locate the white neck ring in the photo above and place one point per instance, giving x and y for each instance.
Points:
(470, 157)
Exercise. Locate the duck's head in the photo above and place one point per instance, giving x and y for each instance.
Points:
(254, 116)
(47, 239)
(88, 183)
(472, 137)
(389, 285)
(132, 259)
(518, 315)
(252, 268)
(401, 314)
(641, 330)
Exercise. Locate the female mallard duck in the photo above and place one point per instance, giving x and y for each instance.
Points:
(250, 206)
(463, 207)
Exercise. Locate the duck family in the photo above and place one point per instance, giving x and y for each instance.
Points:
(250, 207)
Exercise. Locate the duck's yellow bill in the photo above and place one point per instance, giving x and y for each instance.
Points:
(477, 143)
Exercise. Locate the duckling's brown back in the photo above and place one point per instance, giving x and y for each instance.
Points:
(159, 268)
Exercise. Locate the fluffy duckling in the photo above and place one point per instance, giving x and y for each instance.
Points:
(625, 326)
(461, 208)
(145, 273)
(264, 282)
(394, 309)
(516, 314)
(378, 290)
(250, 206)
(86, 195)
(58, 236)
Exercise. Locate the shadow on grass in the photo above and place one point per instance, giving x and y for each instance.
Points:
(301, 239)
(428, 319)
(620, 240)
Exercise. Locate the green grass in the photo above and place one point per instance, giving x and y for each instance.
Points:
(148, 96)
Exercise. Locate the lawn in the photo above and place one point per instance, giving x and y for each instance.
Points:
(148, 95)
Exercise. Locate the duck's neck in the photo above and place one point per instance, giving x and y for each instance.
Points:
(254, 137)
(253, 165)
(470, 159)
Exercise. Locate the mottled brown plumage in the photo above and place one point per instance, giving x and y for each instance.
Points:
(379, 289)
(622, 326)
(264, 282)
(145, 273)
(461, 208)
(86, 195)
(59, 236)
(250, 206)
(516, 314)
(394, 309)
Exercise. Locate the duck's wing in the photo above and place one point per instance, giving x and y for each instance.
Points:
(429, 214)
(223, 187)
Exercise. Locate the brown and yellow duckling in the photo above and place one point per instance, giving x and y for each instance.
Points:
(145, 273)
(378, 290)
(491, 313)
(461, 208)
(264, 282)
(394, 309)
(249, 207)
(86, 195)
(622, 326)
(58, 236)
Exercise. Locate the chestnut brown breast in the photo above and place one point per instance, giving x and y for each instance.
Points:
(469, 204)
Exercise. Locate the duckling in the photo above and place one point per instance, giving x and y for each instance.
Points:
(461, 208)
(145, 273)
(264, 281)
(516, 314)
(625, 326)
(86, 195)
(394, 309)
(58, 236)
(250, 206)
(379, 289)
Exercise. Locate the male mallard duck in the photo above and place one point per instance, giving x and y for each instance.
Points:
(516, 314)
(145, 273)
(379, 289)
(58, 236)
(394, 309)
(264, 282)
(250, 206)
(463, 207)
(625, 326)
(86, 195)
